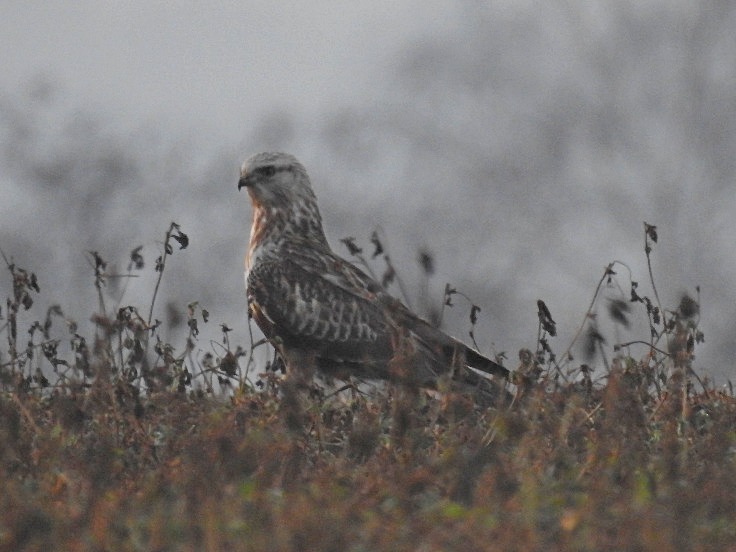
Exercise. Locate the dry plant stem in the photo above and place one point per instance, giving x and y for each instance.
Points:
(490, 435)
(692, 372)
(629, 343)
(554, 363)
(365, 265)
(11, 324)
(27, 415)
(120, 347)
(602, 352)
(250, 353)
(606, 272)
(346, 387)
(397, 276)
(126, 278)
(161, 271)
(470, 302)
(3, 328)
(12, 332)
(99, 282)
(399, 282)
(648, 251)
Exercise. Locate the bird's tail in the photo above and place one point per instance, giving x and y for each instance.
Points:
(449, 350)
(476, 360)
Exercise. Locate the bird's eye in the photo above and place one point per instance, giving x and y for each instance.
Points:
(268, 170)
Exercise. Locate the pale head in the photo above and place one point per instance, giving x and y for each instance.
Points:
(285, 207)
(275, 180)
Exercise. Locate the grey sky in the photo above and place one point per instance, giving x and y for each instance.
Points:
(524, 143)
(216, 64)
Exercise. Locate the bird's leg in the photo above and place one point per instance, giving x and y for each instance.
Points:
(406, 365)
(298, 377)
(458, 363)
(300, 367)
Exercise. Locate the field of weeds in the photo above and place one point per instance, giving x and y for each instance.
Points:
(120, 441)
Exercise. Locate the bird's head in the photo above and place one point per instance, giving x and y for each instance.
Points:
(275, 180)
(282, 196)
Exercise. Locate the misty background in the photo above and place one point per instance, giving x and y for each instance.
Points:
(522, 144)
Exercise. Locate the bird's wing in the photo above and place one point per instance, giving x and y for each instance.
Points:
(442, 348)
(313, 300)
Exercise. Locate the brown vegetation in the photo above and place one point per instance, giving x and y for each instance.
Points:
(121, 443)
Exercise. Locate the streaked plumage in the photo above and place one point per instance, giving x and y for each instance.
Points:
(320, 309)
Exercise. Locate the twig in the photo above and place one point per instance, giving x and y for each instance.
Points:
(647, 251)
(607, 272)
(161, 261)
(160, 268)
(621, 345)
(397, 276)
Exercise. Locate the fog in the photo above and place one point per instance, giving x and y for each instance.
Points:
(522, 145)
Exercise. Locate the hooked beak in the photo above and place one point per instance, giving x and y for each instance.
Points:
(244, 182)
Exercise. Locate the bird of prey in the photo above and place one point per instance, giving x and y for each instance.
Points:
(321, 311)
